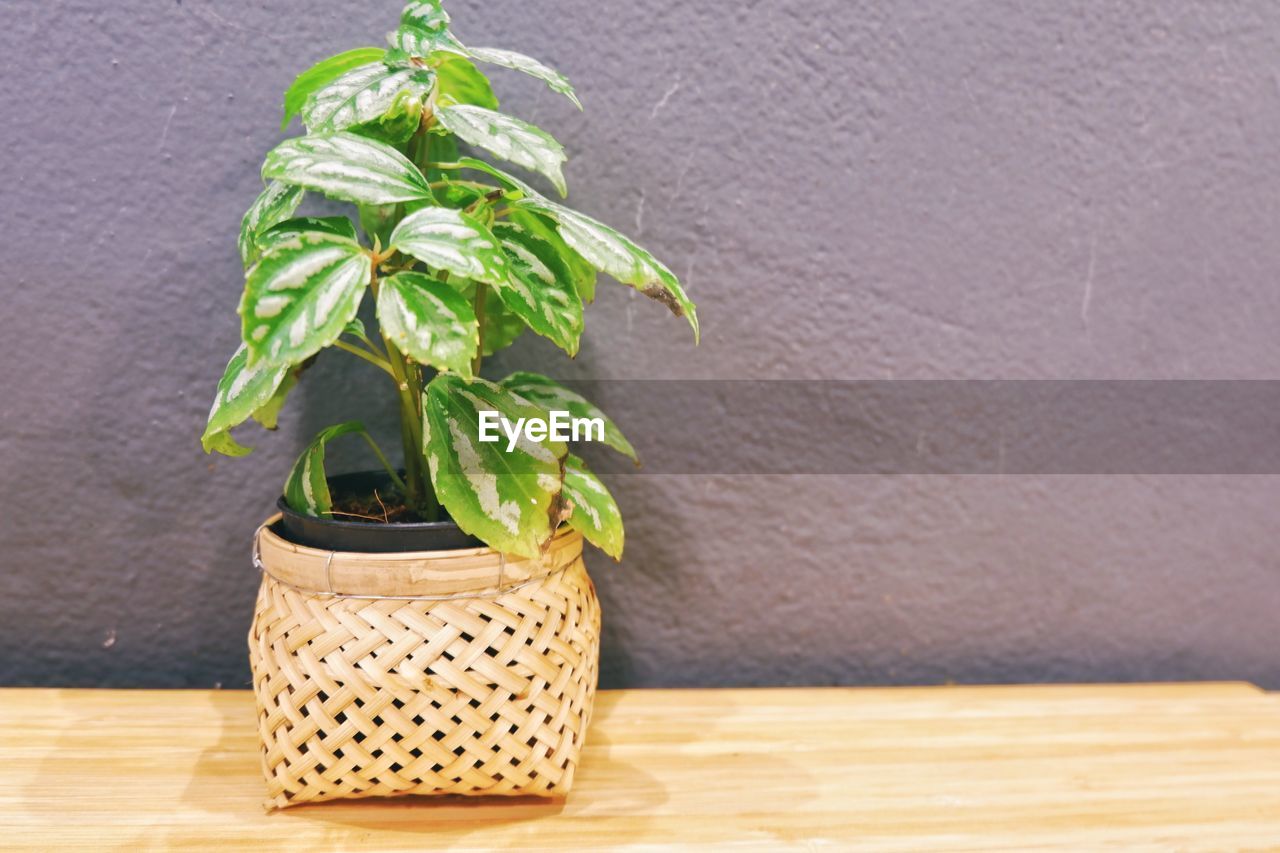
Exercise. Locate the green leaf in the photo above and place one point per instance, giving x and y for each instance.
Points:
(377, 221)
(284, 232)
(243, 390)
(518, 61)
(539, 287)
(268, 415)
(501, 326)
(459, 195)
(223, 443)
(318, 75)
(519, 188)
(439, 148)
(508, 138)
(549, 394)
(307, 489)
(612, 253)
(299, 298)
(363, 94)
(356, 329)
(508, 499)
(451, 240)
(275, 203)
(595, 513)
(347, 167)
(581, 272)
(460, 82)
(398, 124)
(429, 321)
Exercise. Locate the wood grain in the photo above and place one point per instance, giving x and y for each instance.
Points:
(1159, 767)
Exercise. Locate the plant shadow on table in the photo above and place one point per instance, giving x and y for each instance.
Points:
(219, 784)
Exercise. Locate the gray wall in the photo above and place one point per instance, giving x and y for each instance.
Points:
(852, 190)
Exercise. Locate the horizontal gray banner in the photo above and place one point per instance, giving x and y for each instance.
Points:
(940, 427)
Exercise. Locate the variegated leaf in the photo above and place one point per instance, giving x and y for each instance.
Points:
(320, 74)
(549, 394)
(242, 391)
(556, 81)
(616, 255)
(299, 298)
(539, 288)
(307, 489)
(424, 28)
(429, 321)
(427, 15)
(447, 239)
(284, 232)
(410, 42)
(362, 95)
(508, 138)
(347, 167)
(595, 513)
(508, 499)
(275, 203)
(268, 415)
(581, 272)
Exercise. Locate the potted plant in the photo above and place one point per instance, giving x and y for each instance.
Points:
(427, 627)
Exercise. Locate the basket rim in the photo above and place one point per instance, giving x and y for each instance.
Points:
(407, 573)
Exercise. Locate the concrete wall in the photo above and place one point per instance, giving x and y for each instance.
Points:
(879, 190)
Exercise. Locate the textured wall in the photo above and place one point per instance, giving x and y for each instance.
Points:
(851, 189)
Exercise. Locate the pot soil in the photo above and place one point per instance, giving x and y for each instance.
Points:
(459, 671)
(368, 497)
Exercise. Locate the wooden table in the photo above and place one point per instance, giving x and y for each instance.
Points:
(1177, 766)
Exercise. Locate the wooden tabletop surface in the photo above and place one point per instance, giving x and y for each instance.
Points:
(1162, 767)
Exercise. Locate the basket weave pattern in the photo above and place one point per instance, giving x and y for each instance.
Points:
(364, 696)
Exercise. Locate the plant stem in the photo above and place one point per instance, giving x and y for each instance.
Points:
(416, 492)
(367, 356)
(430, 507)
(377, 451)
(373, 348)
(481, 292)
(475, 185)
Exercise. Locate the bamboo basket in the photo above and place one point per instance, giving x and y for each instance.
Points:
(443, 672)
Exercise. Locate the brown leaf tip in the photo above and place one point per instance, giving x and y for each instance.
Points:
(660, 293)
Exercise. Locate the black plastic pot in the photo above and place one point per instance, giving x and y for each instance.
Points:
(367, 536)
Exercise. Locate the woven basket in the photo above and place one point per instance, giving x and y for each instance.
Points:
(445, 672)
